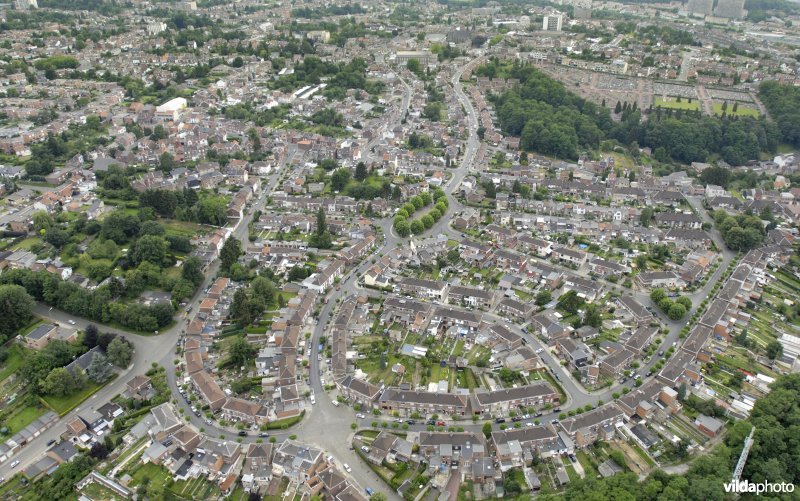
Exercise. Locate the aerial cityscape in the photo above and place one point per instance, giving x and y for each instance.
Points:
(445, 250)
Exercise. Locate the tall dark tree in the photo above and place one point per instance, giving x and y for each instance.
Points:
(231, 250)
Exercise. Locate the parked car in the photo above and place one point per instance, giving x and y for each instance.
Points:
(431, 422)
(347, 468)
(516, 419)
(71, 322)
(51, 442)
(15, 463)
(360, 416)
(370, 492)
(441, 423)
(242, 433)
(500, 420)
(365, 449)
(411, 421)
(263, 435)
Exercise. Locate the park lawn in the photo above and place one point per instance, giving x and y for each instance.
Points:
(673, 103)
(23, 417)
(27, 243)
(742, 111)
(16, 357)
(63, 405)
(158, 476)
(182, 228)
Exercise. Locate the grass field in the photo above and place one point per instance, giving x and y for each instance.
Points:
(63, 405)
(27, 243)
(672, 103)
(23, 417)
(741, 110)
(16, 357)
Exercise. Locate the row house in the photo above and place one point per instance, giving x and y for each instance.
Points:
(537, 246)
(245, 411)
(641, 338)
(516, 448)
(678, 220)
(615, 363)
(515, 310)
(474, 252)
(690, 238)
(407, 402)
(470, 296)
(659, 279)
(451, 448)
(210, 392)
(419, 287)
(604, 267)
(503, 335)
(323, 280)
(500, 402)
(450, 317)
(509, 261)
(567, 255)
(548, 326)
(637, 310)
(360, 249)
(358, 391)
(414, 315)
(599, 423)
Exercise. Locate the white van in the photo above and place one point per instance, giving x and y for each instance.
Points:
(335, 403)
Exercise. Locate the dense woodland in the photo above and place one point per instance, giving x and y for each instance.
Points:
(783, 104)
(554, 121)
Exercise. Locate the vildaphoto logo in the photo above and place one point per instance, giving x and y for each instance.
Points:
(747, 487)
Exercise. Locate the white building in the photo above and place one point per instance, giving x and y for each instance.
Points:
(553, 22)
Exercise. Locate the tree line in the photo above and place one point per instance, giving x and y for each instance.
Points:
(101, 304)
(554, 121)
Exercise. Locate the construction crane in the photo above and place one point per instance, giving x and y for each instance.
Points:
(748, 442)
